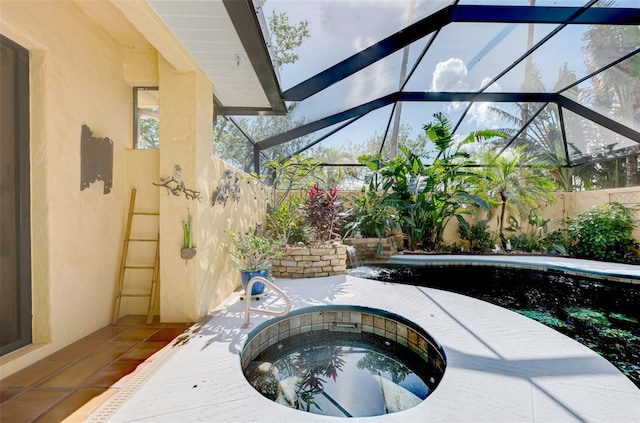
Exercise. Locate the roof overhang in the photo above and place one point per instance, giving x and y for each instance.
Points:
(223, 38)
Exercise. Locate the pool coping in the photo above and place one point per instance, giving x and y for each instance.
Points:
(616, 272)
(501, 366)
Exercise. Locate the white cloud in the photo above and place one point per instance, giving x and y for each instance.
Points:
(483, 116)
(481, 113)
(450, 76)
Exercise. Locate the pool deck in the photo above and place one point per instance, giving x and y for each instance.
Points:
(501, 366)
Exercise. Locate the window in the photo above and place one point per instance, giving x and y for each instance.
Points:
(146, 114)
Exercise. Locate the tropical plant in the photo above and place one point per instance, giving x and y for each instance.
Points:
(603, 232)
(477, 235)
(514, 183)
(252, 251)
(556, 241)
(429, 197)
(530, 238)
(287, 217)
(400, 183)
(371, 217)
(289, 175)
(288, 222)
(324, 212)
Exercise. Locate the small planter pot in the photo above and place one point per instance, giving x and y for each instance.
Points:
(258, 287)
(188, 253)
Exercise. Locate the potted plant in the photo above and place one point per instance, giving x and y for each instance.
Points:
(251, 254)
(188, 251)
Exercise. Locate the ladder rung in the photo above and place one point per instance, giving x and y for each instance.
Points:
(135, 295)
(138, 267)
(146, 214)
(142, 240)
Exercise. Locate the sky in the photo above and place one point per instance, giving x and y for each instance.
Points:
(464, 57)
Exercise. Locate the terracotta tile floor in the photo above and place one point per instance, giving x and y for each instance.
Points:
(71, 383)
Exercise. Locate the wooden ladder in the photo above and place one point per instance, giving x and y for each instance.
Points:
(124, 266)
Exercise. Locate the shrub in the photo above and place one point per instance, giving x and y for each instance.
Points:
(371, 217)
(252, 251)
(477, 235)
(324, 212)
(603, 233)
(288, 223)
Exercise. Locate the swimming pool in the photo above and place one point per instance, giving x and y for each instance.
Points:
(599, 313)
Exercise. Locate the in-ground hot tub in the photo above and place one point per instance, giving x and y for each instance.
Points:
(347, 361)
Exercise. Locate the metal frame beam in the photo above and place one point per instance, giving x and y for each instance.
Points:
(459, 13)
(500, 97)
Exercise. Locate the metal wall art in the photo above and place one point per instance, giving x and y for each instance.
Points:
(176, 187)
(229, 187)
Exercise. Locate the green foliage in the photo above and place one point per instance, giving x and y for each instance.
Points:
(371, 217)
(289, 175)
(149, 132)
(286, 37)
(187, 232)
(428, 197)
(588, 315)
(619, 334)
(477, 235)
(624, 317)
(232, 145)
(603, 232)
(252, 251)
(556, 240)
(531, 238)
(287, 222)
(517, 186)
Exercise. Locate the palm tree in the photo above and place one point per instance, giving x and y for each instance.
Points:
(515, 182)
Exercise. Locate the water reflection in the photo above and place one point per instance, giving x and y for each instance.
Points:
(337, 380)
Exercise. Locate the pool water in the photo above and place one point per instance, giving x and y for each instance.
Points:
(343, 361)
(336, 377)
(602, 315)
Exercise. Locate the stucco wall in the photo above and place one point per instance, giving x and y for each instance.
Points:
(76, 79)
(82, 75)
(568, 204)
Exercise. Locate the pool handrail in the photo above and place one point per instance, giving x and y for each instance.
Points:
(247, 305)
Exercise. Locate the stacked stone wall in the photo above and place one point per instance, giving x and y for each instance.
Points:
(311, 262)
(367, 248)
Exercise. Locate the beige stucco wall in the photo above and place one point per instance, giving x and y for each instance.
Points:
(569, 204)
(189, 289)
(80, 74)
(76, 78)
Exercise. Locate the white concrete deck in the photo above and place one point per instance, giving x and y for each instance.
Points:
(502, 367)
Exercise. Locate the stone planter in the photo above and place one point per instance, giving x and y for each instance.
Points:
(311, 262)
